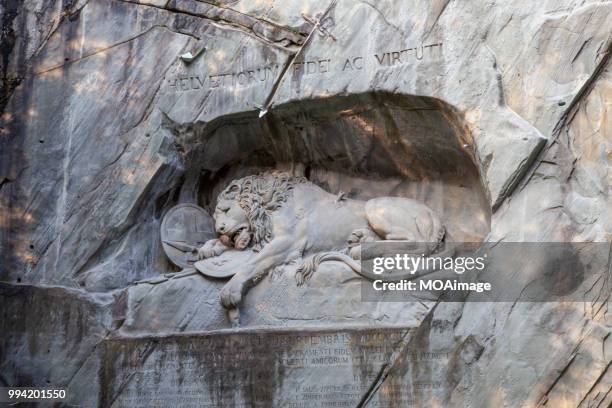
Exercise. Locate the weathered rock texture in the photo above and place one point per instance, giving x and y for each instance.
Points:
(496, 114)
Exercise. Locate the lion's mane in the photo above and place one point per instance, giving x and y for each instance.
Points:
(258, 196)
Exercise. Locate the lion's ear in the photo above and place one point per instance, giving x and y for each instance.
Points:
(272, 206)
(233, 188)
(267, 196)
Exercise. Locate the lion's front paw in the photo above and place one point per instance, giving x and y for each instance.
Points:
(231, 294)
(203, 253)
(212, 248)
(206, 251)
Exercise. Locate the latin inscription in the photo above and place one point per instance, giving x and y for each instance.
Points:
(225, 80)
(312, 67)
(269, 73)
(406, 55)
(253, 369)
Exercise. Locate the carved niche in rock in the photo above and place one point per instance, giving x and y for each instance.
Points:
(266, 221)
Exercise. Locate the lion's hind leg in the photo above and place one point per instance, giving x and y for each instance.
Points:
(399, 234)
(403, 219)
(418, 242)
(358, 237)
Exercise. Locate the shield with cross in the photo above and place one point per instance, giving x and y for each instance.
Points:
(184, 229)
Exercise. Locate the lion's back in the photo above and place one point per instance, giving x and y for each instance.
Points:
(387, 213)
(328, 218)
(307, 191)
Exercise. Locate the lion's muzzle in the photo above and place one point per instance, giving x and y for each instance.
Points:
(240, 239)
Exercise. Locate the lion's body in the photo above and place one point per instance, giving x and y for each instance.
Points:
(286, 218)
(319, 221)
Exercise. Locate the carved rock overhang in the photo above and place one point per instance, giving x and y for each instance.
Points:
(238, 79)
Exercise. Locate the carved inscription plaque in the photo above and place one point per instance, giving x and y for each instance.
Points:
(251, 368)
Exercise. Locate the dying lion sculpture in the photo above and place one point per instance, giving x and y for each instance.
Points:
(285, 219)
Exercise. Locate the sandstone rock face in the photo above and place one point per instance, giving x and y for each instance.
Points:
(495, 115)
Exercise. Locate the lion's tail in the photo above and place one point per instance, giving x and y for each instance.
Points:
(310, 265)
(440, 231)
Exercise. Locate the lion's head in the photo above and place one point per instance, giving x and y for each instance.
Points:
(242, 213)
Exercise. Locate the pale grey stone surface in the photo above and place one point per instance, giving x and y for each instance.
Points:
(104, 129)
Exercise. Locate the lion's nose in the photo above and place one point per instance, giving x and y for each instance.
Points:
(221, 228)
